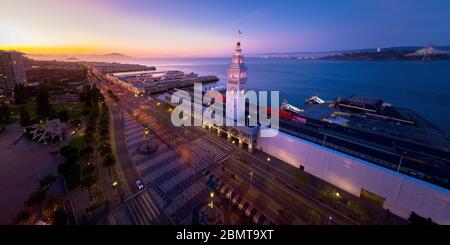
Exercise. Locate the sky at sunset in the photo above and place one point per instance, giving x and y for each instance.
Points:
(209, 28)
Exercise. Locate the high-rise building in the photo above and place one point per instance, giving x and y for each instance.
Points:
(12, 69)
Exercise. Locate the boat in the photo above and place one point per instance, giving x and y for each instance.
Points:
(288, 107)
(314, 100)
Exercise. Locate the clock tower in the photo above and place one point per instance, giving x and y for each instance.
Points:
(236, 77)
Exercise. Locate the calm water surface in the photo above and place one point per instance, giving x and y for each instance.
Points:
(422, 87)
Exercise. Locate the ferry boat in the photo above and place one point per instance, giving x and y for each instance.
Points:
(288, 107)
(314, 100)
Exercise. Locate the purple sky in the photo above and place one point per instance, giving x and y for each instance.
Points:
(201, 27)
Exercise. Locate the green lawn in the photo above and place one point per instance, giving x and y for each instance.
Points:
(73, 176)
(74, 109)
(77, 142)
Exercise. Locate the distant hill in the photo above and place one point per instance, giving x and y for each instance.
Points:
(337, 53)
(117, 56)
(394, 54)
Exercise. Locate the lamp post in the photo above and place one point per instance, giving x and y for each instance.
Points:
(251, 179)
(268, 162)
(211, 199)
(229, 199)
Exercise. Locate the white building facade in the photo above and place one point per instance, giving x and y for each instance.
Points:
(402, 194)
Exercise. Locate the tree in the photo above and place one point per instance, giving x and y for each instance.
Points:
(22, 218)
(24, 117)
(4, 112)
(88, 181)
(59, 217)
(86, 151)
(51, 204)
(19, 94)
(36, 198)
(43, 107)
(86, 95)
(68, 150)
(95, 92)
(89, 169)
(109, 160)
(47, 180)
(105, 149)
(63, 116)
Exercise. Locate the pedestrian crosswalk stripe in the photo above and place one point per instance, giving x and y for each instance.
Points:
(133, 213)
(148, 213)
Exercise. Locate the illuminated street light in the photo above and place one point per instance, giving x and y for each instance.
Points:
(211, 201)
(229, 199)
(338, 195)
(115, 183)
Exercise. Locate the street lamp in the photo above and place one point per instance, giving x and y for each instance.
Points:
(268, 162)
(211, 200)
(251, 179)
(338, 195)
(229, 199)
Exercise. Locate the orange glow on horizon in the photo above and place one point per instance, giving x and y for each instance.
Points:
(67, 50)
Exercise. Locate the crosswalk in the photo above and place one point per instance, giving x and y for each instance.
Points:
(244, 206)
(142, 210)
(171, 174)
(209, 151)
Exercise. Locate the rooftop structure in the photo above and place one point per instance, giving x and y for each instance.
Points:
(106, 67)
(160, 81)
(52, 131)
